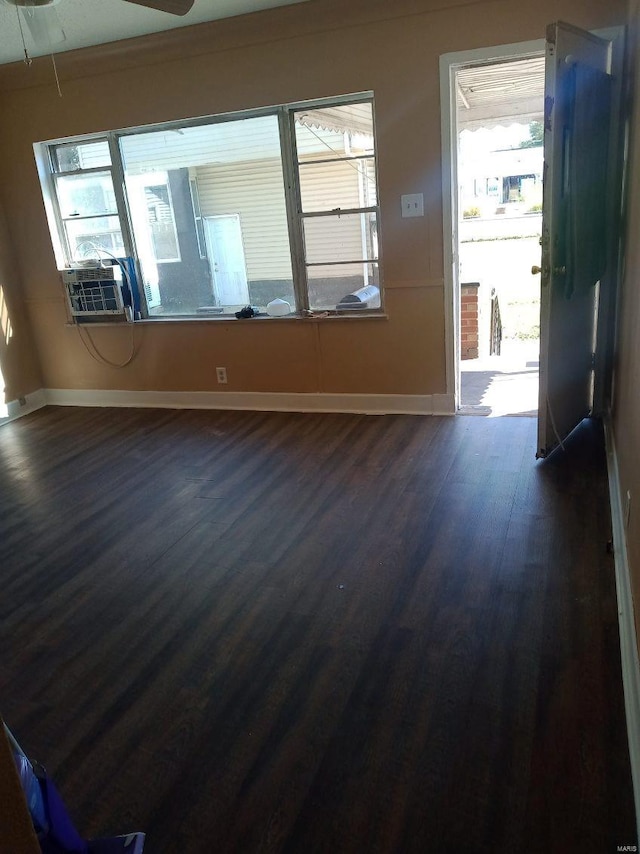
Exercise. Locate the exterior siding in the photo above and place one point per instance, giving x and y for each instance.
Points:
(254, 190)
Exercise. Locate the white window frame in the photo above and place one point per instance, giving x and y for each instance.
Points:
(64, 246)
(302, 215)
(295, 216)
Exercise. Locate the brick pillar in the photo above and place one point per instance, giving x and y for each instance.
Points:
(469, 320)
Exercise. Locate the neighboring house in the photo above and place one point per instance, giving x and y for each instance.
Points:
(499, 182)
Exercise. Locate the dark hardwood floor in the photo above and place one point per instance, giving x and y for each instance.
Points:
(258, 632)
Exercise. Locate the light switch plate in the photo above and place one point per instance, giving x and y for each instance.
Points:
(413, 204)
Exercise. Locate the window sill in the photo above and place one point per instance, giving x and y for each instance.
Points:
(319, 318)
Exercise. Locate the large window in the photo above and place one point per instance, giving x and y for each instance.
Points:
(229, 211)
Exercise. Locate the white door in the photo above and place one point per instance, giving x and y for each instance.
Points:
(223, 235)
(576, 243)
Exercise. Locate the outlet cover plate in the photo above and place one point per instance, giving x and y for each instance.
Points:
(412, 204)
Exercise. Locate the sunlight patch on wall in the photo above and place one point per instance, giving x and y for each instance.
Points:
(5, 320)
(4, 406)
(7, 332)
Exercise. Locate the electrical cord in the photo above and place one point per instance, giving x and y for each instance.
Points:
(55, 72)
(92, 350)
(97, 356)
(553, 424)
(353, 165)
(27, 59)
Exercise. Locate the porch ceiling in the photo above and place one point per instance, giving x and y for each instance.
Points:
(500, 93)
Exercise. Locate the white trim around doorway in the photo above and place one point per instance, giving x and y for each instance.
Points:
(449, 63)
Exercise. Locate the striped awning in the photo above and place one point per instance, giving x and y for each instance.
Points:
(346, 118)
(500, 93)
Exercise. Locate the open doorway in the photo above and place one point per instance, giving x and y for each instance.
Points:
(497, 141)
(499, 115)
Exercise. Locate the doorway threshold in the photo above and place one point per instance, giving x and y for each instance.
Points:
(502, 385)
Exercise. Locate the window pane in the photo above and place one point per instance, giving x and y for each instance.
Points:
(81, 155)
(165, 241)
(339, 184)
(160, 219)
(334, 131)
(86, 195)
(226, 191)
(337, 287)
(352, 237)
(94, 237)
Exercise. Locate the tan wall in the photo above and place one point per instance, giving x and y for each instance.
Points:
(19, 370)
(627, 377)
(316, 49)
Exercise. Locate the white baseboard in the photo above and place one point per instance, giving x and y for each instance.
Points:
(17, 408)
(626, 621)
(368, 404)
(443, 404)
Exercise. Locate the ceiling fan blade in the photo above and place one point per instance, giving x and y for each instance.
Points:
(44, 25)
(173, 7)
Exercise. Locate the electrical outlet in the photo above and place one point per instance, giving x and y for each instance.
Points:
(22, 401)
(412, 205)
(627, 508)
(221, 374)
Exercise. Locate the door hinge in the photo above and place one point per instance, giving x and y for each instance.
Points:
(593, 361)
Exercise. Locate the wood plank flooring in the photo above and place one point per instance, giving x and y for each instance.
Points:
(262, 632)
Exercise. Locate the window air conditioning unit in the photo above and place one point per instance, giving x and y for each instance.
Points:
(92, 291)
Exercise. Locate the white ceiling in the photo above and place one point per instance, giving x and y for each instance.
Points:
(90, 22)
